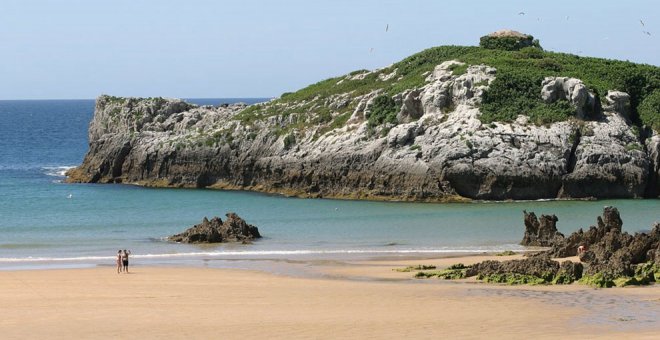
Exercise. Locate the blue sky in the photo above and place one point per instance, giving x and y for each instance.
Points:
(81, 48)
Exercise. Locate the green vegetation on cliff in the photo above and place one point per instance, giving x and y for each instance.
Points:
(516, 89)
(649, 110)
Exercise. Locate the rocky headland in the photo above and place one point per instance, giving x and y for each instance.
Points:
(233, 229)
(441, 125)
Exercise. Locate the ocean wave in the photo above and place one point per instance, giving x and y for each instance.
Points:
(259, 253)
(57, 171)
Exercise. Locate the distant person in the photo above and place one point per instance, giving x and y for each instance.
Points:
(119, 261)
(124, 259)
(581, 249)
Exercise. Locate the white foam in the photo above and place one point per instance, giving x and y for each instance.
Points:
(249, 253)
(57, 171)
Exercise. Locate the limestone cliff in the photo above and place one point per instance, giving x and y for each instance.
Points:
(434, 147)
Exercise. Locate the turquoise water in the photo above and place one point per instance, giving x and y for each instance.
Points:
(46, 223)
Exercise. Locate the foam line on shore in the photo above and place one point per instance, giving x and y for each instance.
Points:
(57, 171)
(262, 253)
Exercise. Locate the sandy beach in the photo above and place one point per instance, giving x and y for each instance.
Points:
(364, 299)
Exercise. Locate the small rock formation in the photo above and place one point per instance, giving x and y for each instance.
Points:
(618, 101)
(609, 252)
(233, 229)
(611, 257)
(541, 232)
(507, 40)
(610, 222)
(542, 267)
(572, 90)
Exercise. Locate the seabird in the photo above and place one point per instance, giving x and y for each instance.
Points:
(387, 27)
(647, 33)
(521, 13)
(641, 22)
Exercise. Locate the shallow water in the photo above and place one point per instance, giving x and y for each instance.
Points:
(600, 307)
(46, 223)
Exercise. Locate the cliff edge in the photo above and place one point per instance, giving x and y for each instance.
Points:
(446, 124)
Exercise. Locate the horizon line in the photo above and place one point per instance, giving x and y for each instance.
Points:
(167, 97)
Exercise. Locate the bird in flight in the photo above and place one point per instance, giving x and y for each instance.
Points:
(371, 50)
(641, 22)
(567, 17)
(647, 33)
(521, 13)
(387, 27)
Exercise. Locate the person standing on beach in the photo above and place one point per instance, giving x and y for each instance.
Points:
(124, 259)
(119, 261)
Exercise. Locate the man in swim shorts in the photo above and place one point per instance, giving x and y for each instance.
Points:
(124, 259)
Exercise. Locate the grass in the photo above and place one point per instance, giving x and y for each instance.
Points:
(515, 91)
(458, 69)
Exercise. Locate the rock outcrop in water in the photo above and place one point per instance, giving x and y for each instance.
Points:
(432, 147)
(540, 232)
(233, 229)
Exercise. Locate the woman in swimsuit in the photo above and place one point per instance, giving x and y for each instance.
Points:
(119, 261)
(124, 259)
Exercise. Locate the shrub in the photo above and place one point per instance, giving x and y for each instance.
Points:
(507, 42)
(518, 93)
(289, 141)
(383, 110)
(530, 52)
(649, 110)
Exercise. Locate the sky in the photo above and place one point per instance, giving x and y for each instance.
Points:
(78, 49)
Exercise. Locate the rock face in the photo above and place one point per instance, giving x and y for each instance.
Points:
(438, 151)
(653, 149)
(233, 229)
(541, 232)
(535, 266)
(572, 90)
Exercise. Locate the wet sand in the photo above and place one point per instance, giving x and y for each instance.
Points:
(362, 299)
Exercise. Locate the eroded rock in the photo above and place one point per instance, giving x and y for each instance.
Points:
(233, 229)
(609, 256)
(541, 232)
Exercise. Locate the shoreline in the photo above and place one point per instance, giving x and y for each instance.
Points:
(71, 177)
(209, 260)
(356, 299)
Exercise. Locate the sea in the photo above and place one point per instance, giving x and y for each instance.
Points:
(45, 223)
